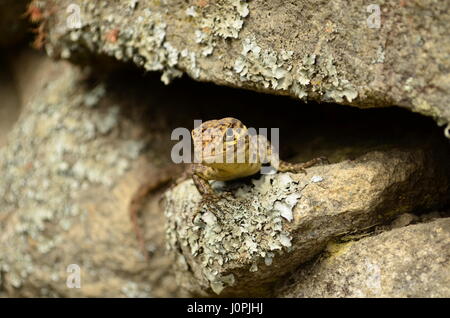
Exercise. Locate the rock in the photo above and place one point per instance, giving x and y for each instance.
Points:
(91, 145)
(84, 149)
(366, 56)
(242, 246)
(412, 261)
(73, 168)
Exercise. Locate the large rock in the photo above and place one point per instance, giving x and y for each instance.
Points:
(74, 166)
(86, 151)
(412, 261)
(334, 51)
(242, 245)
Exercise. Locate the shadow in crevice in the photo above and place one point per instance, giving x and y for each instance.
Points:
(307, 130)
(10, 104)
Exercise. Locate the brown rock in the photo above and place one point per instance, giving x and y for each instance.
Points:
(333, 52)
(71, 173)
(241, 246)
(412, 261)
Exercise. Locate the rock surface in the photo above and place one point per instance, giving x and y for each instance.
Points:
(337, 51)
(412, 261)
(92, 144)
(240, 246)
(71, 169)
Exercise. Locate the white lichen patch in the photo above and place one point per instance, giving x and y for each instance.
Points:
(218, 238)
(225, 18)
(191, 12)
(264, 66)
(316, 179)
(142, 42)
(107, 30)
(285, 240)
(284, 209)
(191, 59)
(317, 74)
(275, 70)
(154, 35)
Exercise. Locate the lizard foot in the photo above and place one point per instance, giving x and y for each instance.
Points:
(211, 200)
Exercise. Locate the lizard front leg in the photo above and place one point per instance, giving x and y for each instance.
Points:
(202, 185)
(209, 196)
(199, 175)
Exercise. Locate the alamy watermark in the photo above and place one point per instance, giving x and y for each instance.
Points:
(373, 280)
(374, 19)
(236, 145)
(74, 18)
(74, 277)
(447, 131)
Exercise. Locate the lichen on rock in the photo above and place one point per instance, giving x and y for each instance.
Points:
(242, 244)
(216, 238)
(70, 168)
(317, 74)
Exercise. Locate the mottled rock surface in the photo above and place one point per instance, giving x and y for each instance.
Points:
(275, 223)
(333, 51)
(92, 144)
(411, 261)
(71, 169)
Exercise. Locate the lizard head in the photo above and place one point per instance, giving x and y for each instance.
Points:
(218, 137)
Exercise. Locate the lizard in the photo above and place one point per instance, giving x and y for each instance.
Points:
(218, 136)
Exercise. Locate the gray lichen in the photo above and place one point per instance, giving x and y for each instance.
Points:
(74, 153)
(272, 69)
(145, 43)
(218, 241)
(346, 62)
(226, 18)
(263, 230)
(264, 66)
